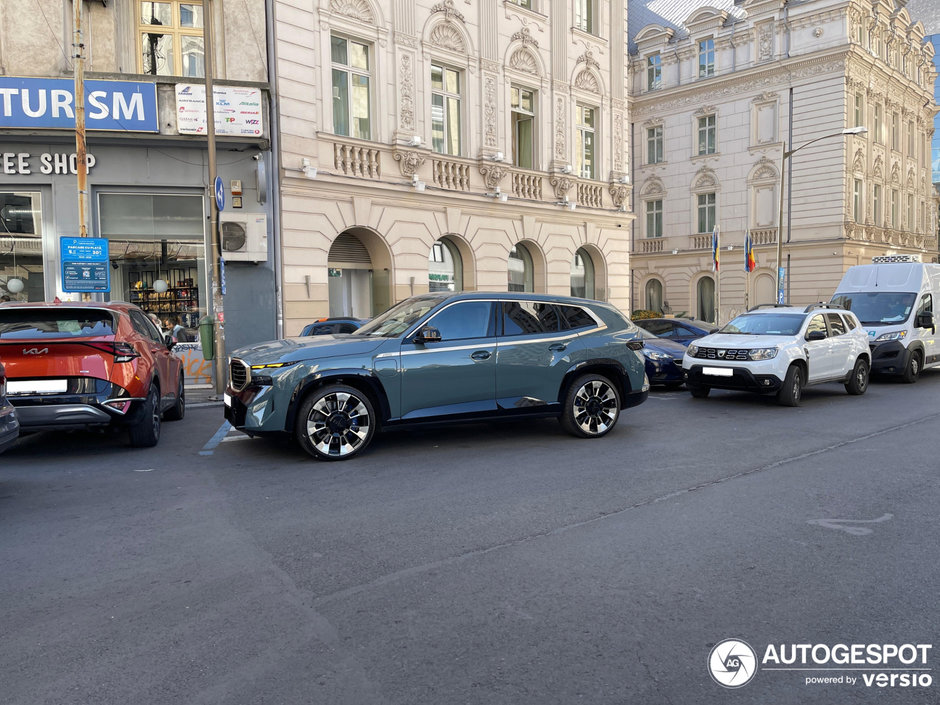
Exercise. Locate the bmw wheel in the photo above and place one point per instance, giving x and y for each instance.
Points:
(592, 407)
(335, 422)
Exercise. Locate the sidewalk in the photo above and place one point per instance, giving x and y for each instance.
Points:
(200, 395)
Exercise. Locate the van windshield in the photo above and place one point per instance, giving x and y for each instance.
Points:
(878, 308)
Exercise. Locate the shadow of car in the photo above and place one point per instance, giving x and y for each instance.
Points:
(663, 360)
(9, 424)
(331, 326)
(679, 330)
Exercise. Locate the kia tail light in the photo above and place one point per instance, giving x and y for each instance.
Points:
(123, 352)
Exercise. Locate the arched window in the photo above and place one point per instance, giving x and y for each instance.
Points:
(582, 275)
(521, 275)
(706, 299)
(445, 267)
(654, 295)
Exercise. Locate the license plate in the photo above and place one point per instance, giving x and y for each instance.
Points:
(37, 386)
(718, 371)
(227, 398)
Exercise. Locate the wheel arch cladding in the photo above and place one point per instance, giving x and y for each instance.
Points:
(611, 369)
(359, 379)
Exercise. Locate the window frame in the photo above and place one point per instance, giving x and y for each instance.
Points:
(654, 71)
(176, 31)
(533, 119)
(707, 132)
(655, 144)
(710, 211)
(585, 16)
(654, 218)
(350, 71)
(706, 57)
(857, 189)
(582, 131)
(446, 97)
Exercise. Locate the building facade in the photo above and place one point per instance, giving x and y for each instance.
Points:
(148, 171)
(451, 145)
(721, 92)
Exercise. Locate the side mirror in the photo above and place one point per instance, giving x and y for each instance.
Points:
(925, 320)
(428, 334)
(815, 335)
(169, 342)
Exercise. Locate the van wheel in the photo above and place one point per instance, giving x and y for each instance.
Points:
(335, 422)
(145, 433)
(858, 382)
(178, 410)
(912, 371)
(791, 392)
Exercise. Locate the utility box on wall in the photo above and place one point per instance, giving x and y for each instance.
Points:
(244, 237)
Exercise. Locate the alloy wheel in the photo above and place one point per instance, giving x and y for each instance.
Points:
(595, 407)
(338, 424)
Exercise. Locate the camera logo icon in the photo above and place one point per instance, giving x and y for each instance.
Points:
(732, 663)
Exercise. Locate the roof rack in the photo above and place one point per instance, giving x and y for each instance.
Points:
(822, 304)
(754, 308)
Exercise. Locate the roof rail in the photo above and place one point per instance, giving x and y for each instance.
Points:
(754, 308)
(822, 304)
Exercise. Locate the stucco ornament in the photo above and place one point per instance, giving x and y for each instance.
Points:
(409, 162)
(587, 81)
(523, 61)
(357, 9)
(446, 36)
(489, 111)
(561, 185)
(618, 194)
(524, 36)
(447, 7)
(492, 174)
(407, 93)
(560, 128)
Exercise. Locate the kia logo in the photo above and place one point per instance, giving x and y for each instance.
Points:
(35, 351)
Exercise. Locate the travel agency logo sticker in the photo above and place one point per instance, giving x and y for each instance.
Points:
(732, 663)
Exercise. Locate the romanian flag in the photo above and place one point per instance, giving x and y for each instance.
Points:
(715, 249)
(750, 260)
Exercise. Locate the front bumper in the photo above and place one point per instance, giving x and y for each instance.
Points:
(664, 371)
(253, 410)
(889, 358)
(741, 379)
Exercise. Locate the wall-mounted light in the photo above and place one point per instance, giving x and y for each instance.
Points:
(624, 179)
(567, 169)
(675, 252)
(418, 184)
(498, 157)
(309, 170)
(415, 141)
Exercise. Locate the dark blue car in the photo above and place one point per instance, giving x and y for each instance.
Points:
(663, 359)
(679, 330)
(331, 326)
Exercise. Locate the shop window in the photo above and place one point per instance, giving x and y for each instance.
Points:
(170, 39)
(582, 275)
(21, 270)
(445, 267)
(157, 250)
(521, 273)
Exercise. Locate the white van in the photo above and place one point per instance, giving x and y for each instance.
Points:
(894, 300)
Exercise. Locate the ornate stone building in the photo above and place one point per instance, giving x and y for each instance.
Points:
(450, 144)
(720, 92)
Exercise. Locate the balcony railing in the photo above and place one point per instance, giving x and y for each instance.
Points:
(357, 160)
(451, 174)
(527, 184)
(702, 242)
(764, 236)
(651, 245)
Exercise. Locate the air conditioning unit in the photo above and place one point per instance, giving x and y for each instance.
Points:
(244, 237)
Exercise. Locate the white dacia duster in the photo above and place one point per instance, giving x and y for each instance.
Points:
(777, 349)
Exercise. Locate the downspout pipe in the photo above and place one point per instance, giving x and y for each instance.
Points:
(274, 172)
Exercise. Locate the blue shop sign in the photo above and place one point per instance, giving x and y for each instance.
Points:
(37, 103)
(85, 264)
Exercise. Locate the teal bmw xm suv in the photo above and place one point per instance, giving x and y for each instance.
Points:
(442, 357)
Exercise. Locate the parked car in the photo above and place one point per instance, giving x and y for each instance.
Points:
(330, 326)
(663, 359)
(9, 424)
(775, 349)
(679, 330)
(86, 365)
(442, 357)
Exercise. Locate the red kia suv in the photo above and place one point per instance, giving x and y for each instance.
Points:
(86, 365)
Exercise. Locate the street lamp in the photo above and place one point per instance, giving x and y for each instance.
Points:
(783, 160)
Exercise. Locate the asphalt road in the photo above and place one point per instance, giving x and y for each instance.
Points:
(481, 564)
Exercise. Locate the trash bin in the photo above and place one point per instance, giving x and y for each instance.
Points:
(207, 337)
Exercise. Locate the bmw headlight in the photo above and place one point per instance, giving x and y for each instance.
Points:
(693, 350)
(896, 335)
(273, 365)
(658, 356)
(762, 354)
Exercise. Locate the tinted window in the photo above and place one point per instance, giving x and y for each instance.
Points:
(576, 317)
(526, 317)
(144, 327)
(467, 319)
(661, 328)
(55, 323)
(345, 328)
(850, 322)
(816, 323)
(683, 332)
(324, 329)
(835, 323)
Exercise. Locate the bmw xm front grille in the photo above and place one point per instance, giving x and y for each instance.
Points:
(239, 374)
(723, 354)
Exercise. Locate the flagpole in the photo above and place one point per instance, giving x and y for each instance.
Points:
(717, 266)
(747, 267)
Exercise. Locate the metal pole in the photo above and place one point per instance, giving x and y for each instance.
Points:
(783, 161)
(81, 156)
(218, 305)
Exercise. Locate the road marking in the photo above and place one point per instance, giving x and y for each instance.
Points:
(209, 448)
(239, 437)
(841, 524)
(203, 404)
(143, 469)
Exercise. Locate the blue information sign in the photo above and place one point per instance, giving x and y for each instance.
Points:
(85, 265)
(219, 193)
(781, 283)
(126, 106)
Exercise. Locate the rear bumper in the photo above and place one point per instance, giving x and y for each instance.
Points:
(88, 408)
(741, 379)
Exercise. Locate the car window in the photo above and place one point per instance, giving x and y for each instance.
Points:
(52, 323)
(926, 304)
(144, 326)
(660, 328)
(816, 323)
(345, 328)
(850, 321)
(576, 317)
(466, 319)
(527, 317)
(835, 323)
(683, 332)
(324, 329)
(399, 317)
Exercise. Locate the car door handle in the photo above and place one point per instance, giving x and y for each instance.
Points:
(480, 355)
(558, 347)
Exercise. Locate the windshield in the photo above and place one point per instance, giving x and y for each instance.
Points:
(398, 318)
(765, 324)
(880, 308)
(53, 323)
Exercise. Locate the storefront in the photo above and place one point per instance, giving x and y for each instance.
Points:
(148, 198)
